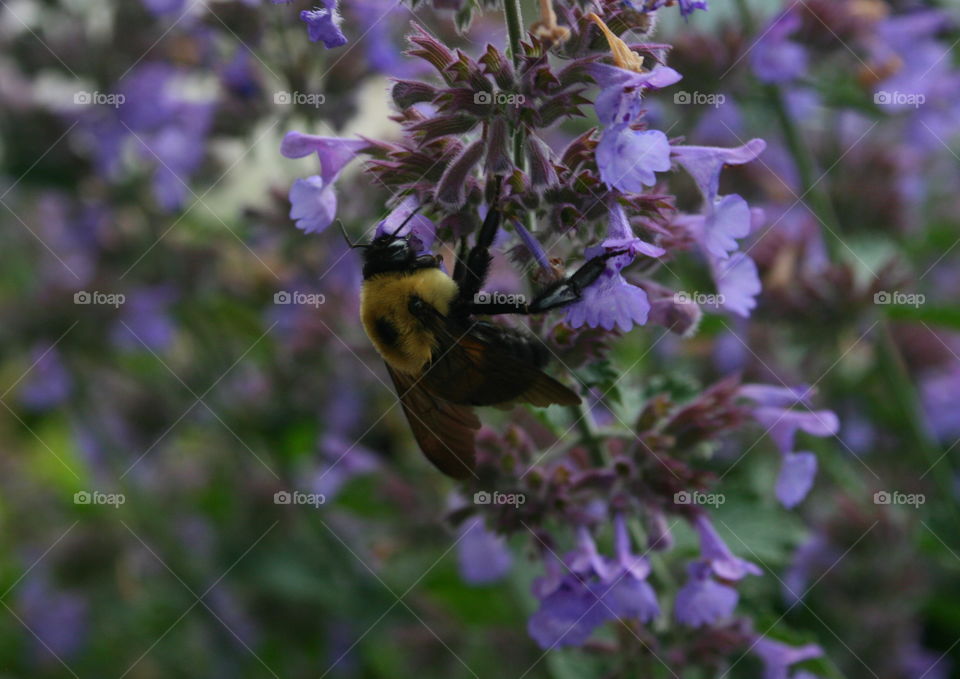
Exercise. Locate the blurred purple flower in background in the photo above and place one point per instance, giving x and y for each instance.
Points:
(323, 24)
(775, 59)
(47, 384)
(483, 557)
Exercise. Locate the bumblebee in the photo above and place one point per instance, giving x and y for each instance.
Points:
(442, 360)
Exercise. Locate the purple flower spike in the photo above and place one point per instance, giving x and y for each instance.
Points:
(777, 656)
(704, 163)
(482, 556)
(723, 562)
(703, 600)
(628, 159)
(797, 472)
(333, 152)
(323, 25)
(313, 204)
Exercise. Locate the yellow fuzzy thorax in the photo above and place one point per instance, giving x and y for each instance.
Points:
(384, 298)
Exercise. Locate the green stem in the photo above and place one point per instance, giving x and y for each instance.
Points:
(514, 29)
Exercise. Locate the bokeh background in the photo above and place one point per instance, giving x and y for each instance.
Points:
(157, 392)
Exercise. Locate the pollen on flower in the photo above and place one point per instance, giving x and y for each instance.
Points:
(623, 56)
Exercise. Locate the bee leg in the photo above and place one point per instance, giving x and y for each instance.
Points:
(477, 261)
(460, 270)
(558, 295)
(571, 289)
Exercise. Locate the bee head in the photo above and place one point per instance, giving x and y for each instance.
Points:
(388, 253)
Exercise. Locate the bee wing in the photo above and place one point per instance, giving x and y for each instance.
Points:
(471, 367)
(444, 430)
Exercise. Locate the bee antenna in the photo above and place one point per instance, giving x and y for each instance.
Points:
(347, 238)
(407, 220)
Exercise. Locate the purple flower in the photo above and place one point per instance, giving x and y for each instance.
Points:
(168, 131)
(58, 618)
(597, 590)
(159, 7)
(728, 219)
(704, 163)
(611, 301)
(333, 152)
(422, 230)
(482, 556)
(714, 550)
(738, 283)
(619, 100)
(940, 392)
(777, 656)
(797, 471)
(773, 412)
(567, 616)
(323, 25)
(145, 320)
(628, 595)
(313, 201)
(783, 424)
(702, 600)
(48, 383)
(774, 58)
(313, 205)
(687, 7)
(628, 159)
